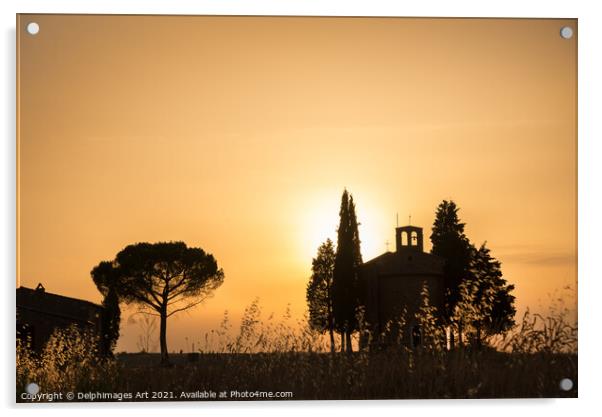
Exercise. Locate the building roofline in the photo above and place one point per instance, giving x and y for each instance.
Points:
(46, 293)
(389, 254)
(382, 255)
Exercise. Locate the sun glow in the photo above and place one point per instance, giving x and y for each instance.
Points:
(374, 234)
(321, 221)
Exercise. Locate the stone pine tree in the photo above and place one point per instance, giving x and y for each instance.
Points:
(106, 280)
(486, 306)
(319, 291)
(449, 241)
(345, 274)
(164, 278)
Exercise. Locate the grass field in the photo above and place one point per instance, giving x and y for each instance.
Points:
(322, 376)
(385, 375)
(528, 363)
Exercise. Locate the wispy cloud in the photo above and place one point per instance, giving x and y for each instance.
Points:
(534, 256)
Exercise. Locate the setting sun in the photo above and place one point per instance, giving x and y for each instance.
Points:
(321, 220)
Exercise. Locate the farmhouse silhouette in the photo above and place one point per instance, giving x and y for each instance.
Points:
(39, 313)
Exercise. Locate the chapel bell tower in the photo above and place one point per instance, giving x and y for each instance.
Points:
(409, 238)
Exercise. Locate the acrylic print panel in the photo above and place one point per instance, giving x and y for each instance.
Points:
(295, 208)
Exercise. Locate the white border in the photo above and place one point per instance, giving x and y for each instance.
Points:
(590, 211)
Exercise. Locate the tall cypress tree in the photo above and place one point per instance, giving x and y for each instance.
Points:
(111, 318)
(353, 226)
(450, 242)
(106, 280)
(345, 275)
(341, 263)
(354, 296)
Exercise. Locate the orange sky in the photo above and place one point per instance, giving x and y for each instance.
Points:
(238, 135)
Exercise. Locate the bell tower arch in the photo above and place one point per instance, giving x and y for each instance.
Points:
(409, 238)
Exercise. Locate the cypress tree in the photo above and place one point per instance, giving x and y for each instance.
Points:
(340, 269)
(354, 296)
(486, 304)
(450, 242)
(345, 275)
(319, 291)
(106, 279)
(353, 225)
(111, 318)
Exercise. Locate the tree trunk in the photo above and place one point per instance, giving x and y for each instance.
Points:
(163, 337)
(342, 341)
(460, 329)
(348, 342)
(478, 336)
(452, 342)
(331, 331)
